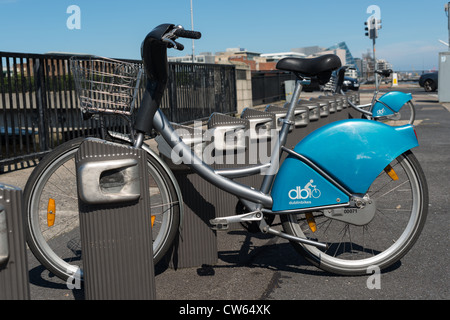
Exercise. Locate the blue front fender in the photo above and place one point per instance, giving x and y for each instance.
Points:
(353, 152)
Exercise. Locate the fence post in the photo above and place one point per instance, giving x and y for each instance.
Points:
(172, 94)
(41, 105)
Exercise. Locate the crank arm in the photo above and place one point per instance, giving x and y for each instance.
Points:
(223, 222)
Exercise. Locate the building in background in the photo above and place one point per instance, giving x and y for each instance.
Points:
(255, 61)
(204, 57)
(349, 60)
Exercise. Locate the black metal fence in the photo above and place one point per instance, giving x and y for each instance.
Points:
(39, 108)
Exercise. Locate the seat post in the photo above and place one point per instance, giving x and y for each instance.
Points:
(289, 119)
(281, 141)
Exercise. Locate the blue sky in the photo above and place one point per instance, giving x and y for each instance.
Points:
(408, 39)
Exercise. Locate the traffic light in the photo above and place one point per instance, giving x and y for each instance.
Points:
(368, 27)
(372, 27)
(379, 24)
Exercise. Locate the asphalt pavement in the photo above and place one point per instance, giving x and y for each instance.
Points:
(263, 267)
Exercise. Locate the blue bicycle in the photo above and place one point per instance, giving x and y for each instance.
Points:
(351, 195)
(393, 107)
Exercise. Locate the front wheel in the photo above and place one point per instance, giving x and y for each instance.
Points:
(401, 199)
(51, 203)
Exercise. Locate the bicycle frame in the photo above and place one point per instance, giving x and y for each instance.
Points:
(254, 200)
(222, 178)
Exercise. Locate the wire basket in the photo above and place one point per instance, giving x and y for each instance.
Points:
(105, 85)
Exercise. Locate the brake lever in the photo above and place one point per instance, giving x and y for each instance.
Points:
(179, 46)
(170, 36)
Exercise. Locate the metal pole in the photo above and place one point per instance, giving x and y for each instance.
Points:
(192, 28)
(447, 8)
(375, 65)
(41, 104)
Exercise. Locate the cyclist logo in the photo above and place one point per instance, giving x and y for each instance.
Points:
(380, 112)
(309, 191)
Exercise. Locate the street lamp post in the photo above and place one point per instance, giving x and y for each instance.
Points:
(192, 28)
(375, 64)
(372, 26)
(447, 8)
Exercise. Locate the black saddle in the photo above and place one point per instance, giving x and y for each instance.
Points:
(385, 73)
(320, 67)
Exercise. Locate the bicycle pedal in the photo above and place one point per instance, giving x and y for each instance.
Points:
(219, 224)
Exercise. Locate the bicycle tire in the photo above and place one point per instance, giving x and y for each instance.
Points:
(348, 253)
(50, 247)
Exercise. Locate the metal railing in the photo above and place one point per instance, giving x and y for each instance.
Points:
(39, 109)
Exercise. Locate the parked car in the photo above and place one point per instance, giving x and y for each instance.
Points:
(350, 84)
(429, 81)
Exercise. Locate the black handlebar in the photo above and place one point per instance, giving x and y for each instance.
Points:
(181, 33)
(154, 56)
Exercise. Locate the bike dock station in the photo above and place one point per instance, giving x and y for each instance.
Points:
(14, 282)
(230, 150)
(115, 227)
(197, 196)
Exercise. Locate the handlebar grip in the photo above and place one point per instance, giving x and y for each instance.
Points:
(181, 33)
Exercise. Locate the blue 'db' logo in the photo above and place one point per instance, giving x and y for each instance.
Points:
(307, 192)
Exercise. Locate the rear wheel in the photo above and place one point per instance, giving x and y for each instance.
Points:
(52, 187)
(401, 203)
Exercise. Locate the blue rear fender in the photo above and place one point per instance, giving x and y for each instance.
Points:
(389, 102)
(353, 152)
